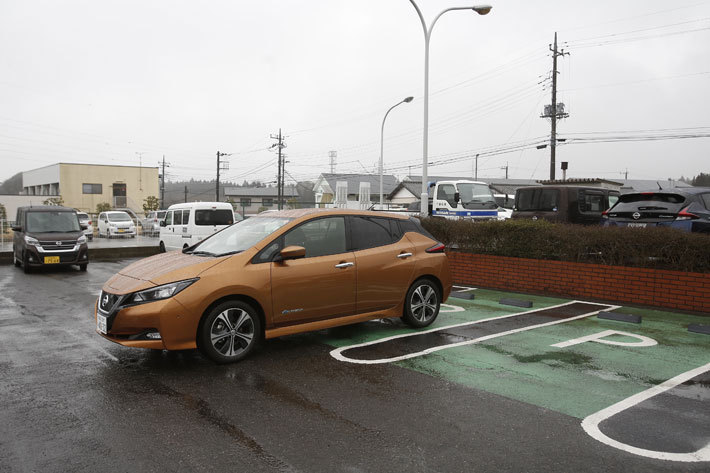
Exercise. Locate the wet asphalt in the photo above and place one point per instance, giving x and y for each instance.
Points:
(72, 401)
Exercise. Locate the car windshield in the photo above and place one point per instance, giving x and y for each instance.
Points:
(52, 222)
(214, 217)
(240, 237)
(476, 195)
(119, 217)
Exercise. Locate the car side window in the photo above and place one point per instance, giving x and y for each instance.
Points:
(186, 216)
(177, 217)
(446, 192)
(706, 200)
(320, 237)
(169, 218)
(370, 232)
(613, 199)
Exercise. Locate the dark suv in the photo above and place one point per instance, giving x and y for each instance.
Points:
(48, 235)
(686, 209)
(563, 204)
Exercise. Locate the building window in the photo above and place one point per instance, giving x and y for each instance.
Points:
(245, 202)
(267, 202)
(92, 189)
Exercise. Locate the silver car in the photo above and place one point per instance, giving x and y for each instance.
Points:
(151, 223)
(84, 219)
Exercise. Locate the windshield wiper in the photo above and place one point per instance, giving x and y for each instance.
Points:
(230, 253)
(201, 253)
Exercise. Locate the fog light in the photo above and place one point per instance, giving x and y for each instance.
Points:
(153, 335)
(31, 258)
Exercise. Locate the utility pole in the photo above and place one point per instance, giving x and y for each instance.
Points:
(185, 194)
(280, 145)
(475, 174)
(162, 184)
(333, 155)
(140, 169)
(506, 170)
(554, 111)
(220, 165)
(626, 174)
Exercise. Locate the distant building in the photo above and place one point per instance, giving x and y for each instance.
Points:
(252, 200)
(83, 186)
(359, 190)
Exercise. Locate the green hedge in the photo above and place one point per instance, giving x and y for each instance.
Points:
(661, 248)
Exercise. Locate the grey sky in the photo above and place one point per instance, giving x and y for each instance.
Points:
(99, 81)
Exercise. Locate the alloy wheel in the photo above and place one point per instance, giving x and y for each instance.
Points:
(232, 332)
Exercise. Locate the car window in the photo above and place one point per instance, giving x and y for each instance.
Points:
(102, 216)
(591, 202)
(214, 217)
(161, 214)
(706, 200)
(446, 192)
(414, 225)
(169, 218)
(320, 237)
(177, 217)
(368, 232)
(524, 200)
(186, 216)
(119, 217)
(549, 199)
(613, 199)
(58, 222)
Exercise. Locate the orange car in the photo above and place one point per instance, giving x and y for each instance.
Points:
(278, 274)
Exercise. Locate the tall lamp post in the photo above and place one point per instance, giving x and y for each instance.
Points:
(481, 10)
(382, 143)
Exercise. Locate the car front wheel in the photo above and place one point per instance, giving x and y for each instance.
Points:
(229, 332)
(422, 304)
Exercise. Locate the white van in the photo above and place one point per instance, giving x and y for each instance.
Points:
(186, 224)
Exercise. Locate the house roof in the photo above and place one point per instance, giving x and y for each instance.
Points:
(289, 191)
(389, 182)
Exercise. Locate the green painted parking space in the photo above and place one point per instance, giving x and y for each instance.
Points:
(577, 380)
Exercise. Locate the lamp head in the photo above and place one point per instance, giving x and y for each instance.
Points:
(408, 99)
(482, 9)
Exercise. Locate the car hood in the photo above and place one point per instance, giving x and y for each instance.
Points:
(54, 236)
(159, 269)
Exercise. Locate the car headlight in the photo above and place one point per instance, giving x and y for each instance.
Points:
(31, 241)
(81, 240)
(159, 292)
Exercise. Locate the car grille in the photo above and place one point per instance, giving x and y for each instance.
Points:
(107, 301)
(55, 245)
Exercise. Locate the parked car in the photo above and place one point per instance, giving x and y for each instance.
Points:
(151, 222)
(686, 209)
(187, 224)
(116, 223)
(48, 235)
(277, 274)
(84, 219)
(563, 204)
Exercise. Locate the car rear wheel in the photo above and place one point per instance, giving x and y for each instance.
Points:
(422, 304)
(162, 247)
(229, 332)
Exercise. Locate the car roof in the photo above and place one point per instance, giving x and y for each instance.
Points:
(206, 205)
(298, 213)
(46, 208)
(675, 190)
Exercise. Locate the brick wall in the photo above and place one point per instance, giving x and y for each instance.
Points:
(631, 286)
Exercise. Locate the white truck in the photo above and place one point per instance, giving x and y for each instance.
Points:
(462, 199)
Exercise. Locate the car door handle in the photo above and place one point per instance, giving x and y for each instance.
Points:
(404, 255)
(344, 265)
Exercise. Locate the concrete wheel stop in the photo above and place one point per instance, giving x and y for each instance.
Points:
(620, 317)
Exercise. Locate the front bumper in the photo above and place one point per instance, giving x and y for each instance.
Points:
(130, 325)
(36, 257)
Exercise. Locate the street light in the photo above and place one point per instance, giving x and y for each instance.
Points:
(382, 142)
(481, 10)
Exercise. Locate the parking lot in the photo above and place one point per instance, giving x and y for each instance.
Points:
(488, 387)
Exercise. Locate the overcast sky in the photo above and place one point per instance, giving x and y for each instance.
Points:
(102, 81)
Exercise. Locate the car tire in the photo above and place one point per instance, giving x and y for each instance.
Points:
(422, 304)
(229, 332)
(91, 237)
(26, 264)
(14, 258)
(82, 267)
(162, 247)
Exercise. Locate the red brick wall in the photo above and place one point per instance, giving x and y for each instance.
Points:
(632, 286)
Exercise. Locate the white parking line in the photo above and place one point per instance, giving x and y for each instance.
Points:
(338, 352)
(464, 288)
(590, 424)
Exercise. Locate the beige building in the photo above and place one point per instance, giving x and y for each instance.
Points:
(84, 186)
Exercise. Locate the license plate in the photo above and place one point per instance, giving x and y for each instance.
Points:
(636, 225)
(121, 230)
(51, 259)
(101, 323)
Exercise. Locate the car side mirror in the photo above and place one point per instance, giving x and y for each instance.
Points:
(16, 229)
(457, 197)
(162, 223)
(291, 252)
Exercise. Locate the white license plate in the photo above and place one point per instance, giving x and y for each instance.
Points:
(101, 323)
(637, 225)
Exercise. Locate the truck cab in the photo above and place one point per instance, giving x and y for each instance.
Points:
(463, 199)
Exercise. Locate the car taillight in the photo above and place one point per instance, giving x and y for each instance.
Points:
(605, 214)
(684, 215)
(438, 248)
(89, 222)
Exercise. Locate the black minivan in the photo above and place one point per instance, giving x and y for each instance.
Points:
(49, 235)
(564, 204)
